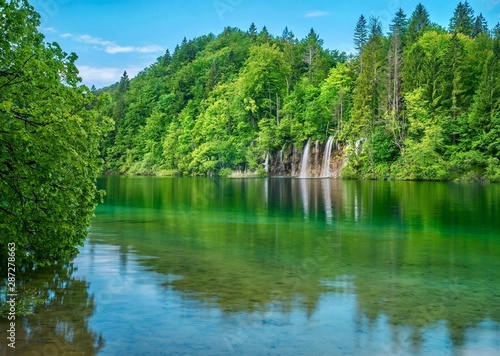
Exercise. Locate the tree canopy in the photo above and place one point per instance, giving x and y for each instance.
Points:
(50, 134)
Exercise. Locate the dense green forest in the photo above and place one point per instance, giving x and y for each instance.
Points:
(423, 101)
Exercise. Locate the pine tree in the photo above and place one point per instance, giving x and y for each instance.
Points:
(487, 99)
(399, 22)
(285, 36)
(313, 46)
(252, 31)
(495, 32)
(264, 36)
(293, 57)
(360, 34)
(419, 21)
(166, 59)
(124, 84)
(375, 28)
(463, 19)
(399, 25)
(453, 78)
(480, 25)
(367, 95)
(394, 76)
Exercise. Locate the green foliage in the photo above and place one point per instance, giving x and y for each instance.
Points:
(463, 20)
(50, 135)
(421, 102)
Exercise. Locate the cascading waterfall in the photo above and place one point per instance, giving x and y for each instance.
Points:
(266, 163)
(325, 172)
(304, 168)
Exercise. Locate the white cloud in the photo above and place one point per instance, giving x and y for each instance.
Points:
(317, 14)
(112, 47)
(48, 29)
(90, 74)
(103, 76)
(150, 49)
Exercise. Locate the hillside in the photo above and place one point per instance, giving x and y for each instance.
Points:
(419, 103)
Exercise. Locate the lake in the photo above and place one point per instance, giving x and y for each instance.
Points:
(188, 266)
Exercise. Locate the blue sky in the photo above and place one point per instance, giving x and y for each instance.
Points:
(111, 36)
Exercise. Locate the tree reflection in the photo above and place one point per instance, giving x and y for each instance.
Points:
(61, 325)
(416, 255)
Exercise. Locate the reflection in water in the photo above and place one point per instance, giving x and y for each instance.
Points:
(304, 194)
(327, 198)
(61, 326)
(415, 265)
(201, 266)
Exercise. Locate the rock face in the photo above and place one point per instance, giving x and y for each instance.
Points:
(288, 161)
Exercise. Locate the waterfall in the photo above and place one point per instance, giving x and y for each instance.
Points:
(304, 168)
(266, 163)
(325, 172)
(358, 145)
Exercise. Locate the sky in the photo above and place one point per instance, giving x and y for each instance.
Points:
(113, 36)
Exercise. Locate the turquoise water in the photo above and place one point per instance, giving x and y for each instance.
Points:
(278, 266)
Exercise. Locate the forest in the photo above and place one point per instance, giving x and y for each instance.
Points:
(421, 102)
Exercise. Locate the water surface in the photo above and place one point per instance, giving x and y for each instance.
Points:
(278, 266)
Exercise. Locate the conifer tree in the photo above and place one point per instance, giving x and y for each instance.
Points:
(419, 21)
(360, 34)
(495, 32)
(463, 19)
(394, 76)
(375, 28)
(480, 25)
(252, 31)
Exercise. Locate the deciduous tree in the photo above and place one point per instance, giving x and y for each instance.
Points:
(50, 134)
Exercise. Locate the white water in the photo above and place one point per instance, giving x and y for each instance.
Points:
(266, 163)
(304, 168)
(325, 172)
(358, 146)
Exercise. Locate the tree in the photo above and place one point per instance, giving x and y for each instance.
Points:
(263, 81)
(480, 25)
(360, 34)
(123, 87)
(375, 27)
(314, 57)
(360, 39)
(486, 104)
(264, 36)
(366, 111)
(293, 57)
(50, 134)
(394, 73)
(399, 23)
(454, 93)
(252, 31)
(419, 21)
(463, 19)
(495, 32)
